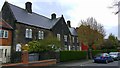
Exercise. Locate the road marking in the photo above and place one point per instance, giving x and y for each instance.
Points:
(82, 65)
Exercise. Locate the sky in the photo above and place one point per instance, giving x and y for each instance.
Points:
(75, 11)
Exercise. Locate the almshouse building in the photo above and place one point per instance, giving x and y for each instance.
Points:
(28, 26)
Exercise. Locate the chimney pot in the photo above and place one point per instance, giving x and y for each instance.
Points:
(53, 16)
(69, 23)
(28, 7)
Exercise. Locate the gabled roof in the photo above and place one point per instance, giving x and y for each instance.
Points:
(73, 31)
(0, 14)
(4, 24)
(33, 19)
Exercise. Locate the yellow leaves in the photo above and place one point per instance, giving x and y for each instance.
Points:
(25, 47)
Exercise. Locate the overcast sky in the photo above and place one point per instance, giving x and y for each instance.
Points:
(75, 11)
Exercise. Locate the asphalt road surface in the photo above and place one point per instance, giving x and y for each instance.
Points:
(79, 64)
(89, 64)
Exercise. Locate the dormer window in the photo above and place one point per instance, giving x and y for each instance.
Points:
(28, 33)
(40, 35)
(3, 34)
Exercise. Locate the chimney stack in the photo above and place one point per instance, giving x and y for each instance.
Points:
(28, 7)
(69, 23)
(53, 16)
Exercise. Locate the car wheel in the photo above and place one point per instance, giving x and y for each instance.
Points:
(106, 61)
(112, 60)
(117, 59)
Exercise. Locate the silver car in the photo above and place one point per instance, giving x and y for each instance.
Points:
(115, 55)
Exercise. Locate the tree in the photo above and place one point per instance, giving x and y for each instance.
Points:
(115, 5)
(90, 32)
(111, 42)
(47, 44)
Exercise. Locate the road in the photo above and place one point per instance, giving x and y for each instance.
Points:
(78, 64)
(90, 64)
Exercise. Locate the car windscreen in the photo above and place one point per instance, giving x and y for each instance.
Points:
(114, 53)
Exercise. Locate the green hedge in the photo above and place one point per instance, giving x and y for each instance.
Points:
(78, 55)
(72, 55)
(94, 52)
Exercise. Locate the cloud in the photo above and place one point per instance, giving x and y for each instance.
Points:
(113, 30)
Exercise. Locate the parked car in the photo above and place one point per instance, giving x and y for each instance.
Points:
(103, 57)
(115, 55)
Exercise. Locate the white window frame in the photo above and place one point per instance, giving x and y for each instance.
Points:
(28, 33)
(0, 33)
(5, 33)
(58, 37)
(65, 38)
(69, 47)
(40, 35)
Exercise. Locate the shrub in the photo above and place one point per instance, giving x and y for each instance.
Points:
(95, 52)
(72, 55)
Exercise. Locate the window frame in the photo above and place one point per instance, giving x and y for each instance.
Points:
(58, 37)
(28, 33)
(65, 38)
(73, 39)
(3, 33)
(40, 34)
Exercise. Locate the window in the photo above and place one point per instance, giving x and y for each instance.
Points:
(40, 35)
(73, 39)
(3, 34)
(28, 33)
(58, 36)
(65, 38)
(18, 47)
(69, 47)
(77, 40)
(65, 47)
(30, 36)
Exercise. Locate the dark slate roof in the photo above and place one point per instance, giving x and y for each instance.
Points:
(0, 14)
(34, 19)
(4, 24)
(73, 31)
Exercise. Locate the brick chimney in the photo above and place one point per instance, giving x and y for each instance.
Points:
(53, 16)
(28, 7)
(68, 23)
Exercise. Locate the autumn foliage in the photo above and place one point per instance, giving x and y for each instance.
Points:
(91, 33)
